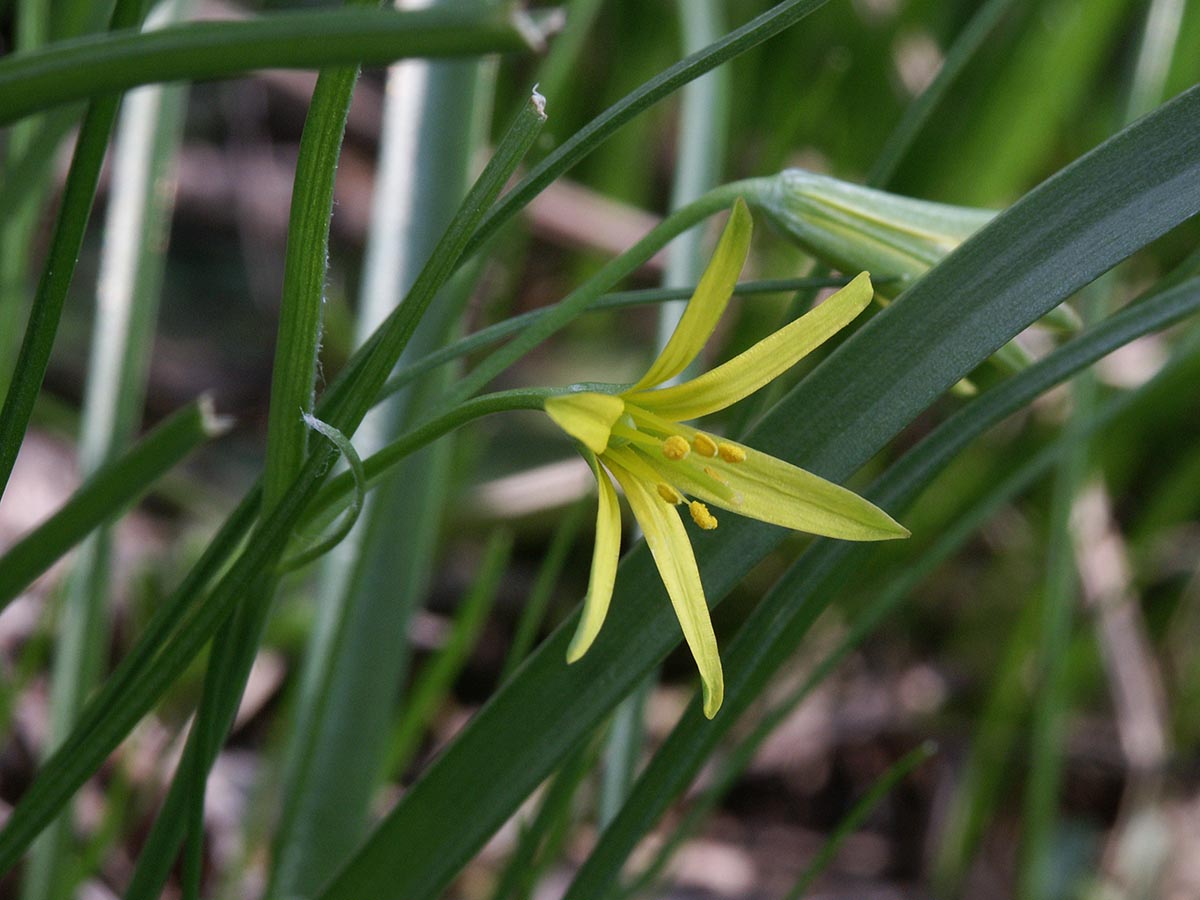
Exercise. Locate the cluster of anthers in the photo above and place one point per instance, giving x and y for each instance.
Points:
(697, 458)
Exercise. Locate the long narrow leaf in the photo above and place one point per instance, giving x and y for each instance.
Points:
(76, 209)
(200, 51)
(107, 494)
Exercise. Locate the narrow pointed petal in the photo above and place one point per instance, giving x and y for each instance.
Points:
(672, 551)
(765, 361)
(586, 416)
(771, 490)
(604, 566)
(708, 302)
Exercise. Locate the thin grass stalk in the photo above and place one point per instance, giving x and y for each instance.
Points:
(533, 612)
(78, 196)
(883, 786)
(370, 586)
(556, 69)
(436, 679)
(969, 41)
(1059, 592)
(542, 837)
(131, 265)
(107, 494)
(292, 389)
(16, 236)
(579, 145)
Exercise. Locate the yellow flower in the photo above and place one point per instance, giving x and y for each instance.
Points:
(636, 436)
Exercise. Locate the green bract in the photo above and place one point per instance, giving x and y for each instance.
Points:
(855, 228)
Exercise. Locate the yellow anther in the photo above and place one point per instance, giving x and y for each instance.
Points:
(731, 453)
(701, 516)
(676, 447)
(704, 445)
(714, 474)
(669, 494)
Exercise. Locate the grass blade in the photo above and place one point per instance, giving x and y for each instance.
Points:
(147, 139)
(78, 196)
(895, 773)
(548, 574)
(198, 51)
(370, 590)
(588, 138)
(438, 676)
(113, 489)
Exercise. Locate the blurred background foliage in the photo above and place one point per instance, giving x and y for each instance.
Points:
(954, 662)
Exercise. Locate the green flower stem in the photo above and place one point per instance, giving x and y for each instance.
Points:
(376, 466)
(347, 693)
(293, 377)
(493, 334)
(588, 138)
(197, 51)
(113, 489)
(579, 300)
